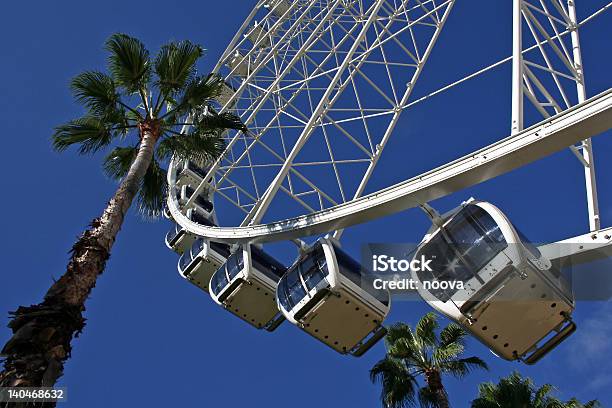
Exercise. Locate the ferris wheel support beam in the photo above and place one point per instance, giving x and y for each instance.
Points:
(581, 249)
(517, 67)
(279, 44)
(587, 119)
(526, 83)
(587, 146)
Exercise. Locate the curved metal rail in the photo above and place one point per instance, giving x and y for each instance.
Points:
(585, 120)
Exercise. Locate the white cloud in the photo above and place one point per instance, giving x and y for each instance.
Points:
(592, 341)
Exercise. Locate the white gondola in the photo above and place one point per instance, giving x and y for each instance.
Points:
(239, 65)
(178, 239)
(189, 173)
(258, 34)
(513, 299)
(246, 286)
(326, 294)
(226, 94)
(202, 203)
(278, 7)
(203, 259)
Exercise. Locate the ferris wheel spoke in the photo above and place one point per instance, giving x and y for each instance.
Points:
(263, 204)
(330, 121)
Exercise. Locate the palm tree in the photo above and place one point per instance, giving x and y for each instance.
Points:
(516, 391)
(411, 354)
(158, 108)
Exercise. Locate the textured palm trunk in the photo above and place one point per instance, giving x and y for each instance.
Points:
(42, 333)
(434, 383)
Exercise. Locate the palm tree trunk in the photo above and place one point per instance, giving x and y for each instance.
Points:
(42, 333)
(434, 383)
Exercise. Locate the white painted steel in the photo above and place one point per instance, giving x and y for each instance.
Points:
(588, 119)
(297, 29)
(587, 146)
(517, 67)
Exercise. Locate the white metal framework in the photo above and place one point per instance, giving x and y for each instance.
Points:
(588, 119)
(321, 85)
(547, 73)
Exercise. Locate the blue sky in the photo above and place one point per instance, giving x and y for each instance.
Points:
(154, 340)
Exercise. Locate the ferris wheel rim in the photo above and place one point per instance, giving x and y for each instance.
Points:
(581, 121)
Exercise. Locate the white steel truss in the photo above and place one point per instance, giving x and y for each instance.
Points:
(589, 118)
(321, 85)
(311, 82)
(551, 76)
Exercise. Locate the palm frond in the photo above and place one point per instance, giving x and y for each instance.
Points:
(453, 333)
(198, 147)
(487, 391)
(117, 163)
(459, 368)
(133, 115)
(500, 395)
(402, 343)
(128, 62)
(511, 391)
(97, 91)
(542, 393)
(425, 329)
(446, 353)
(90, 133)
(574, 403)
(410, 351)
(175, 65)
(215, 123)
(398, 385)
(198, 92)
(398, 331)
(515, 389)
(551, 402)
(152, 193)
(484, 403)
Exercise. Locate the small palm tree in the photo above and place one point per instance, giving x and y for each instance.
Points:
(155, 108)
(411, 354)
(516, 391)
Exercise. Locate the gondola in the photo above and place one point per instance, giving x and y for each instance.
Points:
(246, 285)
(328, 295)
(278, 7)
(179, 239)
(190, 174)
(486, 276)
(202, 260)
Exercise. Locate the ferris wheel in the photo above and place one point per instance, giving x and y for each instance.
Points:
(321, 86)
